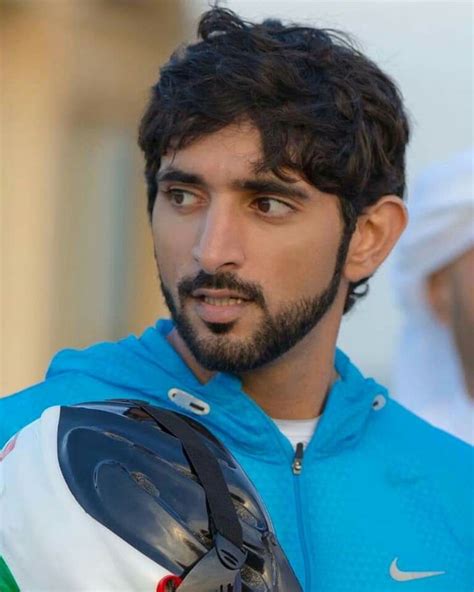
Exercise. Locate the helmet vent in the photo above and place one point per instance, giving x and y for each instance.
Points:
(144, 482)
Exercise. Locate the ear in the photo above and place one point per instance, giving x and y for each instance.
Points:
(378, 229)
(439, 295)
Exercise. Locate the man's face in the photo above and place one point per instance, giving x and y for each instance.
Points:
(247, 261)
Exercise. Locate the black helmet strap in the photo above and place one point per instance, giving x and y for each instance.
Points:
(219, 569)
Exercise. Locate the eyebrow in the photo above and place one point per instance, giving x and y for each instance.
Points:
(179, 177)
(271, 186)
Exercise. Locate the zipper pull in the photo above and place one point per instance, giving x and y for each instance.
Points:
(297, 465)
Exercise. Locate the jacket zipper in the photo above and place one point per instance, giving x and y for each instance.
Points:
(297, 467)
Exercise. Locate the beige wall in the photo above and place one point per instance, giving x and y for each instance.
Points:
(76, 258)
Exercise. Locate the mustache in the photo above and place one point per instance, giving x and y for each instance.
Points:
(222, 281)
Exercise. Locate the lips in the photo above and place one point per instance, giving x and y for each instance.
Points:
(219, 306)
(218, 295)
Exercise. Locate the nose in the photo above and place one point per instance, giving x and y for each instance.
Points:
(219, 243)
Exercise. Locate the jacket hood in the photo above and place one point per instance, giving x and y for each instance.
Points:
(148, 367)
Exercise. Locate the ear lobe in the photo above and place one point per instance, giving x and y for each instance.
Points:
(377, 231)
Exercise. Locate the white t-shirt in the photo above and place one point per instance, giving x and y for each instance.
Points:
(297, 430)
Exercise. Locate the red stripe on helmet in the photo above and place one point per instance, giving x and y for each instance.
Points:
(164, 584)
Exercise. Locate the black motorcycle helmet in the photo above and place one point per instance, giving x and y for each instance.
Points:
(165, 485)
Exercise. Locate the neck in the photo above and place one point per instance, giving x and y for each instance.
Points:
(297, 384)
(294, 386)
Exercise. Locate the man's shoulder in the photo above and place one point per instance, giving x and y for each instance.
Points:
(414, 432)
(23, 407)
(410, 436)
(397, 430)
(412, 446)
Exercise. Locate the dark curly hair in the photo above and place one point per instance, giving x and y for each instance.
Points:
(322, 108)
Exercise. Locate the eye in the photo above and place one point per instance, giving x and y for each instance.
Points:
(272, 207)
(180, 198)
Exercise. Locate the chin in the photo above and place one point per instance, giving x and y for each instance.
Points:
(220, 328)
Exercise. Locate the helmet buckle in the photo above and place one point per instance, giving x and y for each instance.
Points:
(218, 570)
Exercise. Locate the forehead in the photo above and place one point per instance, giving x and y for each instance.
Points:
(234, 149)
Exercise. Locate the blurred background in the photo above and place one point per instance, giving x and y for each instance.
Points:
(76, 252)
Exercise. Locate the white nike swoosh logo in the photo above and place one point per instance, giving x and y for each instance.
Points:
(405, 576)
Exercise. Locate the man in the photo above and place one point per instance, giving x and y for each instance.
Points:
(275, 171)
(434, 276)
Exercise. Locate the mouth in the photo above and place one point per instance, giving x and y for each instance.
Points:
(219, 306)
(221, 301)
(219, 297)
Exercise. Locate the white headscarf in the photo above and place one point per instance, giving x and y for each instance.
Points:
(428, 376)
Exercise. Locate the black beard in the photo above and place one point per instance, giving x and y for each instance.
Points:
(275, 334)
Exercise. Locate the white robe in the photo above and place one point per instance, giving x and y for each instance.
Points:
(428, 377)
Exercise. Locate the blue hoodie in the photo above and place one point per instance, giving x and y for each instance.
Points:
(383, 501)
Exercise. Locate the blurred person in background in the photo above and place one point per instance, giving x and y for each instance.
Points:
(434, 277)
(275, 169)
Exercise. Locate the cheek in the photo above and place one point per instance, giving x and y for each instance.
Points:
(172, 244)
(300, 266)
